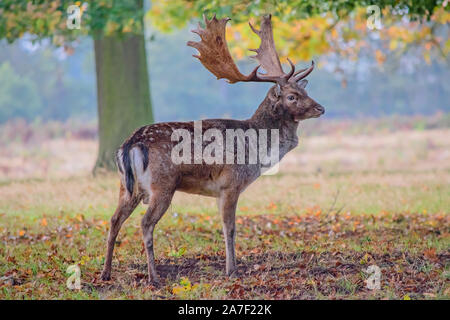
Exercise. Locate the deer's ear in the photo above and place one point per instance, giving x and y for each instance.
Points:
(302, 84)
(275, 93)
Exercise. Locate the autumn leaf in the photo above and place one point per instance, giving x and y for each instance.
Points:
(177, 290)
(272, 206)
(185, 285)
(430, 254)
(380, 57)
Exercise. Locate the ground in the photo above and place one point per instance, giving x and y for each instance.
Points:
(340, 203)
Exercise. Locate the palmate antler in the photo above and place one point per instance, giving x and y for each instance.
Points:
(215, 56)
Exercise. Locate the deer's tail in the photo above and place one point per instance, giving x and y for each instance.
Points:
(129, 158)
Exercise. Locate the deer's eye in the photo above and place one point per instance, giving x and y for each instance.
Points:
(291, 97)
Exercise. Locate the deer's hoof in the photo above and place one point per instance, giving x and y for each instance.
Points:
(105, 276)
(154, 282)
(232, 273)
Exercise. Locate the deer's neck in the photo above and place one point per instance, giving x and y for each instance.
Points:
(263, 118)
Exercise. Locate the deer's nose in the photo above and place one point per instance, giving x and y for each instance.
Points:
(320, 108)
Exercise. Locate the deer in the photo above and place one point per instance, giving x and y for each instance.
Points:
(148, 174)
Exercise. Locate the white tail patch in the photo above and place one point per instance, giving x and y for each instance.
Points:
(142, 178)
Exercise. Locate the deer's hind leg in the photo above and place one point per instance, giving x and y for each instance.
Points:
(124, 209)
(159, 201)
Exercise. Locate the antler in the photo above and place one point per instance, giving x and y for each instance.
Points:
(267, 54)
(215, 56)
(305, 71)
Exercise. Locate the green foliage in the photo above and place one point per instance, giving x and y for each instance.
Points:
(48, 19)
(305, 28)
(174, 12)
(44, 18)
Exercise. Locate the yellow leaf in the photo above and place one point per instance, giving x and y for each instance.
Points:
(334, 34)
(406, 297)
(393, 44)
(178, 290)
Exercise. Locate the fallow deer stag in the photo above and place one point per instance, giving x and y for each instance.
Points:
(144, 160)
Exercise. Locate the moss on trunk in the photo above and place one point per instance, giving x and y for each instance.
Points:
(123, 92)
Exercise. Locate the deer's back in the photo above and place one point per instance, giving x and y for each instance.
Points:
(198, 178)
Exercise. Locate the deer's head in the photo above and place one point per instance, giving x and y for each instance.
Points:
(292, 102)
(288, 98)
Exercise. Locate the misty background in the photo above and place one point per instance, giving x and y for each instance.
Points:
(40, 82)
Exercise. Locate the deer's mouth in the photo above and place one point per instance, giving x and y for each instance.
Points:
(314, 112)
(318, 111)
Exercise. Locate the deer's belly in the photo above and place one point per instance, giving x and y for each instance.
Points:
(208, 188)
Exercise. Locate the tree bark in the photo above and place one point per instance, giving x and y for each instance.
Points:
(123, 92)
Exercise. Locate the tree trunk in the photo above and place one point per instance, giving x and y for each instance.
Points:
(123, 92)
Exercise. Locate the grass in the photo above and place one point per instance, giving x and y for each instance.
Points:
(339, 204)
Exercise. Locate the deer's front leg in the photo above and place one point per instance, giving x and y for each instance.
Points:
(227, 208)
